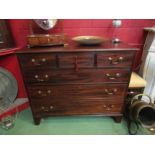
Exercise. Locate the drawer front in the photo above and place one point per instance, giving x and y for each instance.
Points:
(78, 60)
(77, 108)
(115, 59)
(77, 92)
(77, 77)
(38, 60)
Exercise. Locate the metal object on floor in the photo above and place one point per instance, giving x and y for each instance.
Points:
(8, 87)
(8, 93)
(8, 121)
(139, 112)
(142, 111)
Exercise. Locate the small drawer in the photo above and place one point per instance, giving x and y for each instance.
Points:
(81, 76)
(77, 107)
(37, 60)
(115, 59)
(78, 92)
(77, 60)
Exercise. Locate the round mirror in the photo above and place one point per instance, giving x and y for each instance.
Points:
(46, 24)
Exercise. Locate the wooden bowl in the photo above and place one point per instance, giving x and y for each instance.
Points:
(88, 40)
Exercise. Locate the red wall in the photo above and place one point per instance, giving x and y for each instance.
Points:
(130, 32)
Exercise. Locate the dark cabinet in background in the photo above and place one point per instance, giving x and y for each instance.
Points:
(6, 39)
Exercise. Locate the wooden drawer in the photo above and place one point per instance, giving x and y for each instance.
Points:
(38, 60)
(76, 77)
(77, 60)
(115, 59)
(77, 92)
(84, 107)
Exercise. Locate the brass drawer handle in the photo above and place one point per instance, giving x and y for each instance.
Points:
(113, 77)
(45, 78)
(110, 92)
(115, 61)
(36, 76)
(44, 94)
(44, 109)
(43, 60)
(33, 60)
(51, 107)
(47, 109)
(38, 62)
(111, 105)
(49, 91)
(41, 93)
(108, 107)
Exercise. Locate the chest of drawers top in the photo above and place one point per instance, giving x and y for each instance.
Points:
(107, 46)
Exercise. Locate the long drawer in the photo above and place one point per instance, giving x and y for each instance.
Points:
(68, 76)
(77, 92)
(85, 107)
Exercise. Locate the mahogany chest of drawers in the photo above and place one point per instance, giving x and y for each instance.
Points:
(77, 80)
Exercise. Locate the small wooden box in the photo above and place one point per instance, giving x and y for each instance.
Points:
(35, 40)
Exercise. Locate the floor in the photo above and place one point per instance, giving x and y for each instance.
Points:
(68, 126)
